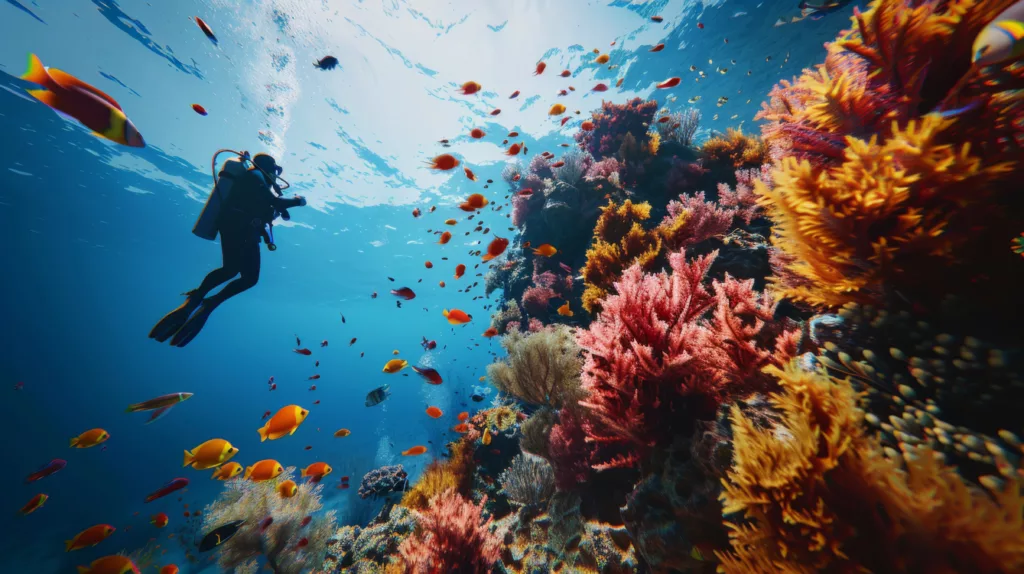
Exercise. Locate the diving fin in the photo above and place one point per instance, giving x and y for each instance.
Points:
(173, 321)
(194, 325)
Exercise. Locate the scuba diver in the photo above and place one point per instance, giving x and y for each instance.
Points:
(241, 208)
(809, 9)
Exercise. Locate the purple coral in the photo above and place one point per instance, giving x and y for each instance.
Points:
(683, 175)
(520, 210)
(536, 299)
(613, 122)
(383, 481)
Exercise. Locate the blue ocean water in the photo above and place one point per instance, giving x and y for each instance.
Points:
(98, 243)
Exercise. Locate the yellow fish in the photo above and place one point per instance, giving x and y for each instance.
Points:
(556, 110)
(564, 310)
(90, 438)
(285, 422)
(211, 453)
(395, 365)
(228, 471)
(263, 470)
(486, 439)
(342, 433)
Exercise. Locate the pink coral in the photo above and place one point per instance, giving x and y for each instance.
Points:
(613, 122)
(536, 299)
(654, 363)
(534, 325)
(451, 538)
(692, 220)
(520, 210)
(569, 450)
(541, 168)
(604, 168)
(742, 199)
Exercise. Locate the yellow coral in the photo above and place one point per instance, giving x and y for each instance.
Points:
(440, 476)
(654, 143)
(816, 494)
(502, 418)
(620, 240)
(735, 147)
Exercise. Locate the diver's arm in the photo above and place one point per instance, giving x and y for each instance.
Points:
(283, 203)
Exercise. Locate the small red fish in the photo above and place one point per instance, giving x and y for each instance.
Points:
(304, 351)
(540, 68)
(513, 134)
(470, 88)
(513, 149)
(405, 293)
(199, 109)
(490, 332)
(558, 164)
(428, 374)
(600, 88)
(308, 447)
(700, 25)
(266, 415)
(587, 126)
(314, 378)
(46, 470)
(206, 29)
(516, 177)
(656, 18)
(477, 133)
(495, 111)
(352, 342)
(273, 386)
(416, 212)
(343, 486)
(563, 93)
(565, 73)
(669, 83)
(301, 544)
(316, 402)
(658, 48)
(514, 95)
(564, 120)
(313, 388)
(525, 192)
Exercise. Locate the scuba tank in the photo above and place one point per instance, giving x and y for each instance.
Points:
(207, 224)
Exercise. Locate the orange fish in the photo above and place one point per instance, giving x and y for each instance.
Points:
(618, 84)
(90, 438)
(443, 162)
(658, 48)
(490, 332)
(207, 31)
(477, 133)
(540, 68)
(288, 489)
(89, 537)
(461, 428)
(587, 126)
(113, 564)
(469, 174)
(440, 284)
(434, 412)
(456, 316)
(513, 149)
(474, 202)
(513, 134)
(317, 470)
(159, 520)
(514, 95)
(464, 416)
(565, 73)
(445, 237)
(496, 248)
(656, 18)
(72, 97)
(284, 423)
(35, 504)
(602, 59)
(669, 83)
(470, 88)
(450, 221)
(545, 250)
(460, 270)
(526, 245)
(428, 265)
(558, 164)
(415, 451)
(169, 569)
(416, 212)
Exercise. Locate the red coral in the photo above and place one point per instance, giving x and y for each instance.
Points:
(536, 299)
(450, 538)
(613, 122)
(654, 363)
(742, 199)
(569, 451)
(692, 220)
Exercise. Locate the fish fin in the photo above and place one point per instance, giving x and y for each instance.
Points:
(488, 257)
(293, 431)
(68, 544)
(189, 459)
(248, 473)
(131, 408)
(263, 433)
(46, 96)
(83, 570)
(36, 72)
(74, 441)
(66, 80)
(303, 474)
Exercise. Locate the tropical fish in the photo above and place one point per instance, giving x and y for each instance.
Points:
(657, 48)
(89, 537)
(461, 428)
(545, 250)
(90, 438)
(46, 470)
(220, 535)
(210, 454)
(352, 342)
(378, 395)
(470, 176)
(486, 438)
(490, 332)
(558, 164)
(72, 97)
(602, 59)
(443, 162)
(540, 68)
(600, 88)
(326, 63)
(428, 345)
(514, 95)
(495, 111)
(669, 83)
(317, 470)
(477, 133)
(463, 416)
(206, 29)
(564, 310)
(460, 270)
(342, 433)
(434, 412)
(1002, 40)
(429, 374)
(114, 564)
(395, 365)
(287, 489)
(495, 248)
(470, 88)
(263, 470)
(285, 422)
(303, 351)
(473, 202)
(656, 18)
(414, 451)
(169, 569)
(159, 519)
(199, 109)
(159, 402)
(513, 149)
(445, 238)
(456, 316)
(35, 504)
(556, 110)
(174, 485)
(416, 212)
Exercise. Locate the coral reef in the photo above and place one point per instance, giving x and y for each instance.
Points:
(569, 451)
(536, 430)
(735, 148)
(680, 128)
(577, 163)
(451, 537)
(513, 173)
(529, 480)
(253, 502)
(455, 473)
(373, 549)
(620, 240)
(536, 300)
(383, 481)
(613, 123)
(541, 368)
(742, 198)
(603, 169)
(816, 493)
(692, 220)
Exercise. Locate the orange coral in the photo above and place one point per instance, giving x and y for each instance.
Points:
(736, 147)
(893, 216)
(816, 494)
(619, 241)
(455, 473)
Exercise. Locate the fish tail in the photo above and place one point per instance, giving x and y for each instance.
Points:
(36, 73)
(132, 408)
(263, 433)
(83, 570)
(74, 442)
(189, 459)
(488, 257)
(68, 544)
(303, 474)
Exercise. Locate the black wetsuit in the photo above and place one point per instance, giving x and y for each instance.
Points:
(249, 207)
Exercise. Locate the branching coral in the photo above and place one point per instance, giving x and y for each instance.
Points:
(742, 198)
(654, 363)
(372, 549)
(541, 368)
(614, 122)
(604, 168)
(895, 216)
(736, 148)
(577, 162)
(692, 220)
(508, 316)
(569, 451)
(536, 430)
(455, 473)
(450, 537)
(513, 174)
(620, 240)
(816, 494)
(653, 143)
(529, 480)
(540, 167)
(253, 502)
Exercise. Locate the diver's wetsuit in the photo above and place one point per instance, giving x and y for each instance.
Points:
(249, 207)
